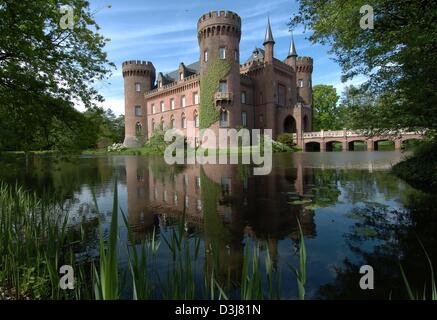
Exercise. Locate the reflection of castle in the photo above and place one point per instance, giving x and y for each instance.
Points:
(251, 205)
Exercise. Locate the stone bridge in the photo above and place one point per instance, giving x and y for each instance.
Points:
(324, 140)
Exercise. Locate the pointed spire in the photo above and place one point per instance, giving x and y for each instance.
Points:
(292, 52)
(269, 35)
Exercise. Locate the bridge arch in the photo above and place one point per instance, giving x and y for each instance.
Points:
(357, 145)
(312, 146)
(389, 144)
(334, 145)
(408, 143)
(290, 124)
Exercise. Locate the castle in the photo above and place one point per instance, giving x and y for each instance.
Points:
(262, 93)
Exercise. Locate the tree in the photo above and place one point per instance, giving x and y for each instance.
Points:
(45, 67)
(326, 112)
(396, 55)
(109, 128)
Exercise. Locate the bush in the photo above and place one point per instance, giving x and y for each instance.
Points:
(116, 147)
(420, 169)
(287, 139)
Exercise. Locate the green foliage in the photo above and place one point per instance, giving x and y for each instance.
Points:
(106, 285)
(34, 243)
(109, 128)
(394, 57)
(326, 113)
(420, 169)
(287, 139)
(209, 84)
(43, 69)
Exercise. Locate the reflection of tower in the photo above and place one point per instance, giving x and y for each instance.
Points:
(219, 34)
(139, 77)
(140, 218)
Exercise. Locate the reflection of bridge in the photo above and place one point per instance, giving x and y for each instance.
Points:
(324, 140)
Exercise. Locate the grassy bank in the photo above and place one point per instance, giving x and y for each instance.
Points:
(420, 169)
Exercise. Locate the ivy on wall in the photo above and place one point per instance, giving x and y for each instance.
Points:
(209, 85)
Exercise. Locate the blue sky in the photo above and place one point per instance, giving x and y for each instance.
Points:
(164, 32)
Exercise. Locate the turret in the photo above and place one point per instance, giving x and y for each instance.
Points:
(139, 77)
(219, 34)
(292, 54)
(269, 43)
(304, 70)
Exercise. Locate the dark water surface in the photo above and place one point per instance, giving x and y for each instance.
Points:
(352, 210)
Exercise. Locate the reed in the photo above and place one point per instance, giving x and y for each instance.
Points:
(416, 295)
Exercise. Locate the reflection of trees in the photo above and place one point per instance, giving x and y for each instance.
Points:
(394, 236)
(58, 178)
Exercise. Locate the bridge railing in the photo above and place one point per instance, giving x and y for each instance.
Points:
(349, 133)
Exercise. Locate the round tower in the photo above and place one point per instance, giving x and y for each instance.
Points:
(139, 77)
(304, 71)
(219, 34)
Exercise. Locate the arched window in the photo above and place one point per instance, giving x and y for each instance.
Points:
(184, 121)
(172, 122)
(162, 123)
(224, 119)
(196, 119)
(138, 129)
(153, 125)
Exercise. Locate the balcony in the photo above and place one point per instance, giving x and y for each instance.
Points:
(223, 97)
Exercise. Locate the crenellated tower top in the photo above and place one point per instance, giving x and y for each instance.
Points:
(138, 68)
(219, 23)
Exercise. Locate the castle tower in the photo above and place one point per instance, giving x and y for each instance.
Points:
(269, 43)
(139, 77)
(304, 71)
(219, 34)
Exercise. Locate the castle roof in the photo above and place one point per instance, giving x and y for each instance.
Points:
(257, 54)
(292, 51)
(191, 69)
(269, 35)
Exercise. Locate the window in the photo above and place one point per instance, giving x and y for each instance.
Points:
(205, 55)
(222, 53)
(138, 128)
(137, 87)
(195, 98)
(183, 102)
(172, 122)
(243, 97)
(236, 55)
(161, 125)
(300, 83)
(153, 109)
(153, 125)
(175, 198)
(223, 86)
(162, 106)
(159, 84)
(172, 104)
(181, 76)
(281, 95)
(138, 111)
(184, 121)
(261, 98)
(244, 118)
(196, 119)
(224, 119)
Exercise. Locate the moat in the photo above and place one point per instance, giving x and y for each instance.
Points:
(353, 212)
